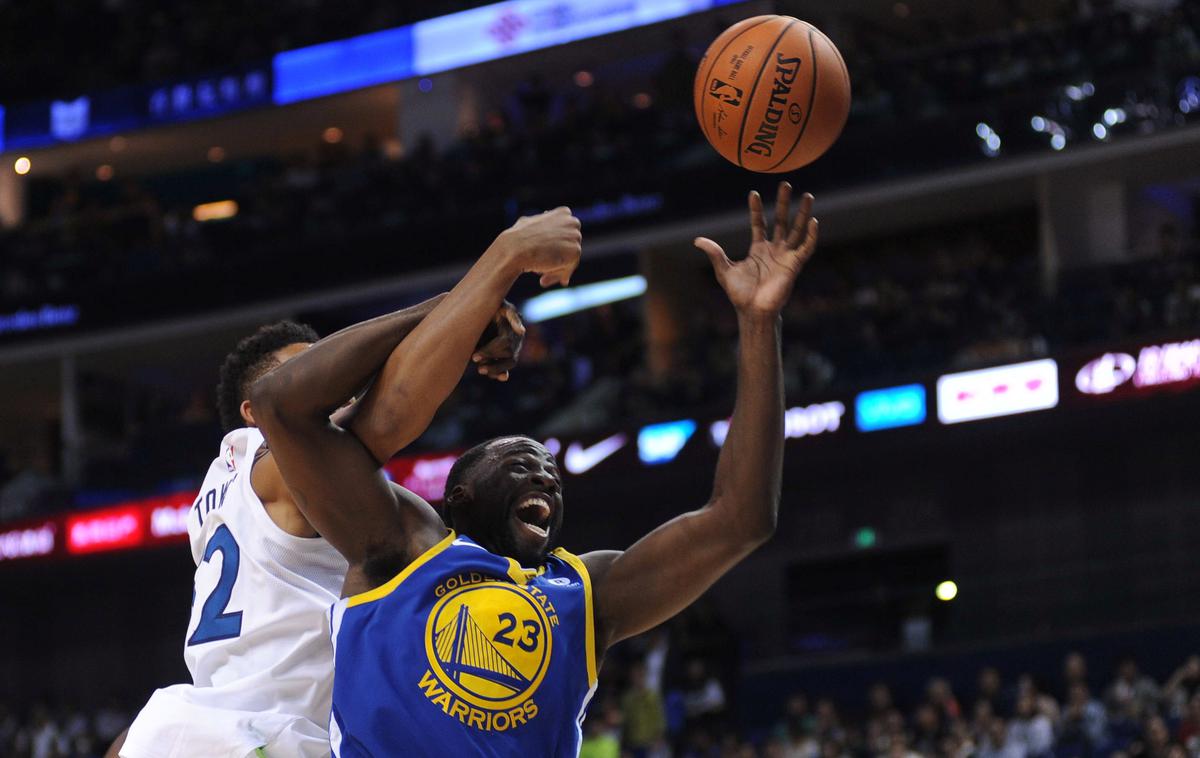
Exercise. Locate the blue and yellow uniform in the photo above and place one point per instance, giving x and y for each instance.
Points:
(465, 653)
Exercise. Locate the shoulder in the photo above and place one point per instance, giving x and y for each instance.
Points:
(598, 562)
(385, 560)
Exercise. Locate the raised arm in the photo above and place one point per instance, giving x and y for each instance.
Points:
(669, 568)
(334, 475)
(421, 373)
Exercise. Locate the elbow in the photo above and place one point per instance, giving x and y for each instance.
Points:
(387, 427)
(748, 526)
(763, 529)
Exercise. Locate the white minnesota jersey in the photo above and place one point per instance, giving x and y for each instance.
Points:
(258, 643)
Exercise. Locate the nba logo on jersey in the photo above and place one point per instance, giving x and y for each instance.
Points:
(230, 458)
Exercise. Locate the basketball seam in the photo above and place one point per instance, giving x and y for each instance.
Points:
(753, 89)
(812, 96)
(712, 65)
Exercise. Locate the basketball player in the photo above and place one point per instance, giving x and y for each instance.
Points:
(480, 639)
(257, 644)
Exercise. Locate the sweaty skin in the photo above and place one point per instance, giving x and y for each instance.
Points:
(634, 589)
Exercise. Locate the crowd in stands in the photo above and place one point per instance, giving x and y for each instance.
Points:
(55, 50)
(875, 311)
(527, 150)
(894, 309)
(673, 693)
(641, 713)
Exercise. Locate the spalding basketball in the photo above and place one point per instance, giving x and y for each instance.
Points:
(772, 93)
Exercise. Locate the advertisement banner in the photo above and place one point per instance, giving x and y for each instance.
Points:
(999, 391)
(1149, 368)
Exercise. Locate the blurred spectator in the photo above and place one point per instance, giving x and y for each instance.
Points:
(1030, 729)
(1084, 723)
(643, 714)
(1132, 696)
(996, 742)
(1182, 686)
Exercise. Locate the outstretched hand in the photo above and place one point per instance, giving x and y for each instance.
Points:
(498, 349)
(762, 281)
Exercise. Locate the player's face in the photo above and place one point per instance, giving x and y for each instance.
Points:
(517, 507)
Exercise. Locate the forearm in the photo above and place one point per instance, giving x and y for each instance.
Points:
(323, 378)
(750, 466)
(423, 370)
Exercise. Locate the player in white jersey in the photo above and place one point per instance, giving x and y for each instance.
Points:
(257, 643)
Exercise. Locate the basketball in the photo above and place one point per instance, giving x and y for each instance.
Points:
(772, 93)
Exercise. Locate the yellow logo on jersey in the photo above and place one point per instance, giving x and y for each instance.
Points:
(488, 645)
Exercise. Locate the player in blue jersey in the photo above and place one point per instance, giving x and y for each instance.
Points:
(480, 639)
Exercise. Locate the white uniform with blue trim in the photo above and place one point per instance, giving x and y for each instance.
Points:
(258, 642)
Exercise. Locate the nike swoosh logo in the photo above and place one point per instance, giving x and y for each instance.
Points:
(580, 459)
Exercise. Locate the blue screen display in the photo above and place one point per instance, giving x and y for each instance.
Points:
(890, 408)
(344, 65)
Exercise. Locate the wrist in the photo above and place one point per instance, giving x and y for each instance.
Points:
(754, 319)
(504, 257)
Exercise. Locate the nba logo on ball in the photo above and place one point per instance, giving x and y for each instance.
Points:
(772, 94)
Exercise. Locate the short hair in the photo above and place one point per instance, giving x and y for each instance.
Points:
(253, 357)
(458, 473)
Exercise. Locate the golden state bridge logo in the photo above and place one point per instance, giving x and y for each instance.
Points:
(488, 645)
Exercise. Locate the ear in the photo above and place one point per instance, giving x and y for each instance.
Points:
(460, 494)
(247, 413)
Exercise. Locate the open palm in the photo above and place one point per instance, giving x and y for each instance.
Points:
(762, 281)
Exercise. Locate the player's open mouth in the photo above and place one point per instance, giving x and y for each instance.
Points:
(534, 514)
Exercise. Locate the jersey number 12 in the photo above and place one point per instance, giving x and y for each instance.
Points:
(215, 624)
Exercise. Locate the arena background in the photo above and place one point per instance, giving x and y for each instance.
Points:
(993, 364)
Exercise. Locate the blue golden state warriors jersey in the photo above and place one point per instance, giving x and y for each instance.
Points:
(465, 653)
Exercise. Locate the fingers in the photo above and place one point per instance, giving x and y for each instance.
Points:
(500, 376)
(758, 225)
(806, 250)
(514, 320)
(716, 256)
(783, 206)
(800, 224)
(558, 276)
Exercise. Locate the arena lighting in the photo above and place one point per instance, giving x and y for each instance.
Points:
(946, 591)
(801, 421)
(1000, 391)
(27, 541)
(580, 459)
(1081, 91)
(1099, 131)
(1188, 92)
(215, 211)
(46, 317)
(1058, 142)
(574, 299)
(110, 529)
(1167, 364)
(423, 474)
(660, 443)
(865, 538)
(461, 39)
(890, 408)
(1038, 124)
(1114, 116)
(22, 165)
